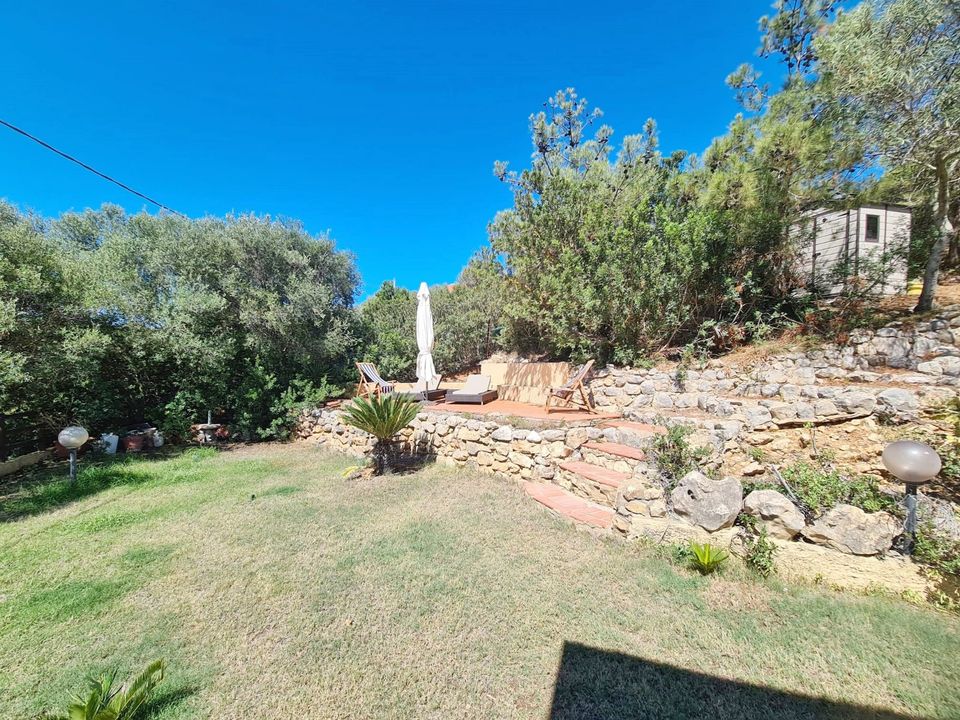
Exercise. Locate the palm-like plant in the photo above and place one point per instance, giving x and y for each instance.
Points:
(104, 702)
(383, 416)
(706, 558)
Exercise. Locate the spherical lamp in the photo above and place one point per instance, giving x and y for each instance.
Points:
(914, 464)
(72, 438)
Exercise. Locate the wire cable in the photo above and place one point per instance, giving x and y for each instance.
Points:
(106, 177)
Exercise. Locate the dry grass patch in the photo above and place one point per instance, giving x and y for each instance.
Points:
(275, 588)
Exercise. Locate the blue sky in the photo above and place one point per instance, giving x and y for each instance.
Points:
(377, 122)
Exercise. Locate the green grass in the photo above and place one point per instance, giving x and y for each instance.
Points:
(276, 588)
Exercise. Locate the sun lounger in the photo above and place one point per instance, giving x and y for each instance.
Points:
(425, 390)
(476, 390)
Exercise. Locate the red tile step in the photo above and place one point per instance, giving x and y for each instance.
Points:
(617, 449)
(569, 505)
(600, 475)
(638, 428)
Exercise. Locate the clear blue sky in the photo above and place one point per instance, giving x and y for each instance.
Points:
(377, 122)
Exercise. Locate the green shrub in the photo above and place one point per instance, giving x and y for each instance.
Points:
(820, 488)
(760, 553)
(705, 558)
(674, 454)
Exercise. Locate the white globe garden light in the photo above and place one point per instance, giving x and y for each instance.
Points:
(914, 464)
(72, 438)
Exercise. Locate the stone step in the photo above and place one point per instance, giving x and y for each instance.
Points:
(627, 452)
(599, 475)
(636, 428)
(569, 505)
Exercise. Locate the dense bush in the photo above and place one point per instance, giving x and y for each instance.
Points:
(108, 319)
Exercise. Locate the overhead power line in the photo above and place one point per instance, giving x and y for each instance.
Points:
(106, 177)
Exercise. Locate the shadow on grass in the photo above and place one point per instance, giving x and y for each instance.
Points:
(592, 684)
(50, 488)
(165, 701)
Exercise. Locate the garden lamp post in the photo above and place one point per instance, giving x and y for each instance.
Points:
(914, 464)
(72, 438)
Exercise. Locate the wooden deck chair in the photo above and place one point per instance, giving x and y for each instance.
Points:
(566, 394)
(370, 381)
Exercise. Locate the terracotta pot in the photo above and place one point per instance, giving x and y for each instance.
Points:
(132, 443)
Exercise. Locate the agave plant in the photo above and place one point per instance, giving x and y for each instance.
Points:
(706, 558)
(103, 701)
(383, 416)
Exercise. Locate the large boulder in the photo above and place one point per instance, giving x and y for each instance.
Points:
(780, 516)
(851, 530)
(711, 504)
(899, 403)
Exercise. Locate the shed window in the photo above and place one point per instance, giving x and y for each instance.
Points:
(873, 228)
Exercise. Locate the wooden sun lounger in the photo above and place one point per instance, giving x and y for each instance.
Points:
(566, 395)
(371, 383)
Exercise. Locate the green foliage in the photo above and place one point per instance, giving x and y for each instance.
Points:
(104, 701)
(937, 550)
(760, 550)
(705, 558)
(674, 454)
(820, 488)
(383, 416)
(108, 319)
(390, 323)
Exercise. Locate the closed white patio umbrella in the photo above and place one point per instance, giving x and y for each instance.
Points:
(425, 369)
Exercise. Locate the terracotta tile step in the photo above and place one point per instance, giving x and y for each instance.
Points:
(569, 505)
(637, 428)
(600, 475)
(616, 449)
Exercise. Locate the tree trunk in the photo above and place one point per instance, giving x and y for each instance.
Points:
(931, 273)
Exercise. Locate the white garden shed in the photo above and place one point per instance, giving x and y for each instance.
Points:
(829, 238)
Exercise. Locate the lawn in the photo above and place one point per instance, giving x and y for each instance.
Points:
(275, 588)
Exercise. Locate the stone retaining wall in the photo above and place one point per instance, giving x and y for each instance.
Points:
(494, 447)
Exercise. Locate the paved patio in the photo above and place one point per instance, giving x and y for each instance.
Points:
(508, 408)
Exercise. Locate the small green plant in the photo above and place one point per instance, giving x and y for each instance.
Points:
(675, 455)
(760, 553)
(820, 487)
(705, 558)
(383, 417)
(756, 454)
(936, 550)
(104, 701)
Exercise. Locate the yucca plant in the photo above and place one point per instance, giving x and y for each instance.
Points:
(103, 701)
(383, 416)
(706, 558)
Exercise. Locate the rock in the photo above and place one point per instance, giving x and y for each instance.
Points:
(856, 401)
(940, 514)
(502, 434)
(825, 408)
(711, 504)
(534, 437)
(756, 415)
(898, 402)
(780, 516)
(783, 411)
(752, 468)
(662, 400)
(851, 530)
(930, 368)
